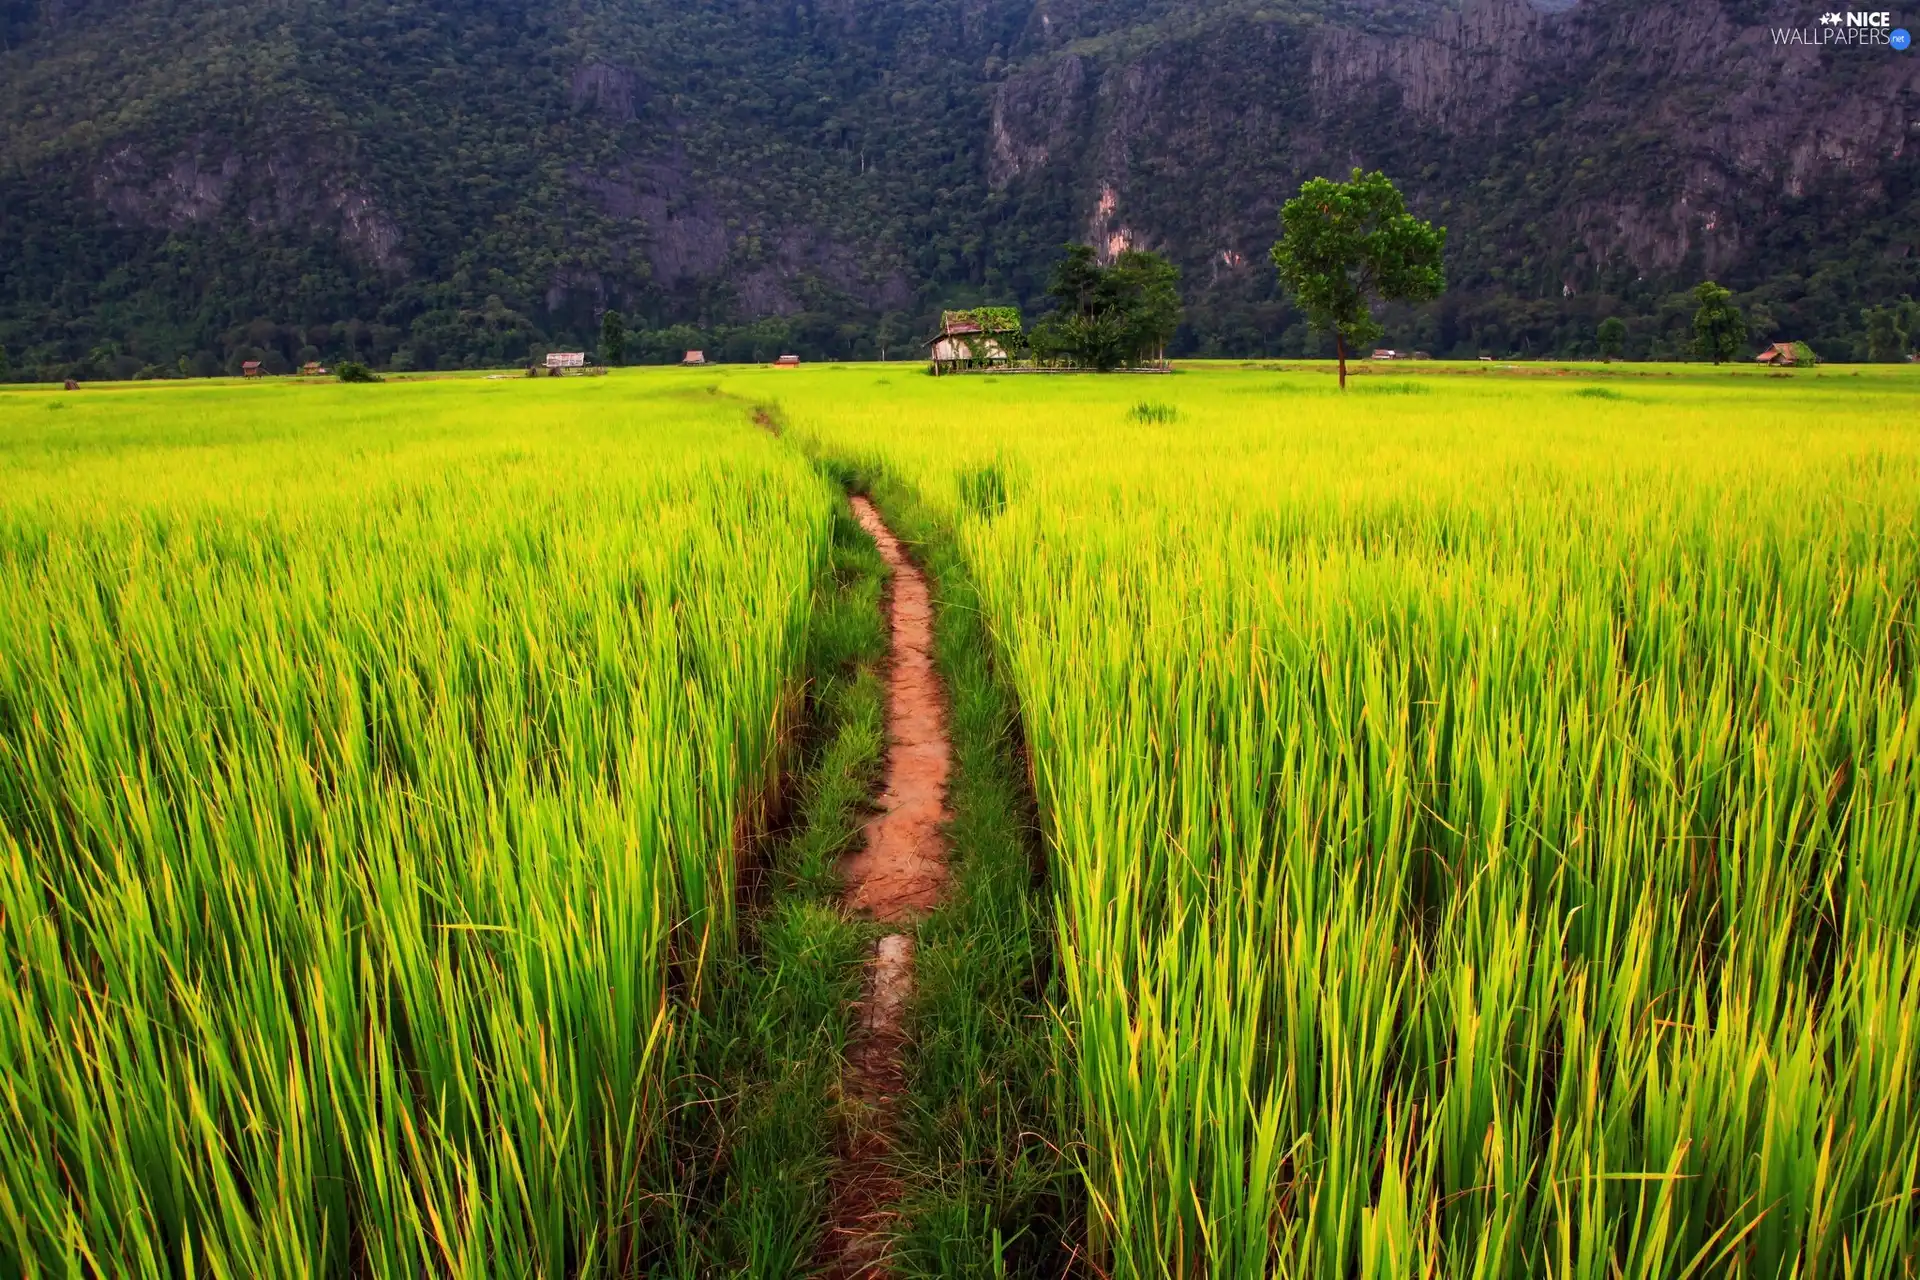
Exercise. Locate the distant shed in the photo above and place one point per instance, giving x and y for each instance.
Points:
(973, 339)
(1778, 353)
(694, 357)
(956, 350)
(249, 368)
(787, 362)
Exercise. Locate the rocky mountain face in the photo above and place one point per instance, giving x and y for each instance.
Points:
(466, 181)
(1586, 157)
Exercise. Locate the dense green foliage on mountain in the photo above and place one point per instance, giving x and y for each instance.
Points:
(183, 187)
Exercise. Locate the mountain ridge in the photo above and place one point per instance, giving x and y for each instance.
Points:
(463, 183)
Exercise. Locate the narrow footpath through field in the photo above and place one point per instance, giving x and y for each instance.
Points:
(897, 875)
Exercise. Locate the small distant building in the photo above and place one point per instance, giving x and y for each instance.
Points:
(787, 362)
(972, 339)
(694, 357)
(947, 351)
(1385, 353)
(250, 368)
(313, 369)
(1778, 353)
(566, 359)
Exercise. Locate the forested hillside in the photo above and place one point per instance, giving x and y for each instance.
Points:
(187, 185)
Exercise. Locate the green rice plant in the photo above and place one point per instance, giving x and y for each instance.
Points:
(370, 783)
(1479, 846)
(984, 490)
(989, 1190)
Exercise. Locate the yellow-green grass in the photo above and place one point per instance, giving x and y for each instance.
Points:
(1735, 372)
(372, 761)
(1485, 814)
(1483, 808)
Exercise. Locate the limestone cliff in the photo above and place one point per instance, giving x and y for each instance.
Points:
(1570, 146)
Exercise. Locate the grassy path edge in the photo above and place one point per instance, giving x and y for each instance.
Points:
(990, 1187)
(754, 1132)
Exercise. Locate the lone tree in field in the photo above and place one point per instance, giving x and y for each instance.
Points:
(613, 337)
(1612, 334)
(1719, 330)
(1344, 244)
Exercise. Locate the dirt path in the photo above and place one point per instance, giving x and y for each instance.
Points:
(897, 875)
(903, 867)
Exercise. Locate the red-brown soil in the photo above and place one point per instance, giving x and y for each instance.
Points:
(903, 866)
(897, 874)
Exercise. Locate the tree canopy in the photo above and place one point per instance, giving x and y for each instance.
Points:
(1719, 329)
(1610, 336)
(1344, 245)
(613, 337)
(1892, 331)
(1112, 315)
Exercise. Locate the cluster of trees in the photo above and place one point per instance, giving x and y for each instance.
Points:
(280, 348)
(1346, 246)
(1109, 316)
(1892, 332)
(492, 335)
(1105, 316)
(1351, 260)
(1351, 263)
(1719, 329)
(1655, 324)
(1723, 330)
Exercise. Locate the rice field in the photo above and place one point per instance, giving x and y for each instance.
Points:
(371, 768)
(1484, 813)
(1481, 813)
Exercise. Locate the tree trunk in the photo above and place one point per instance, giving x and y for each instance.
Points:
(1340, 346)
